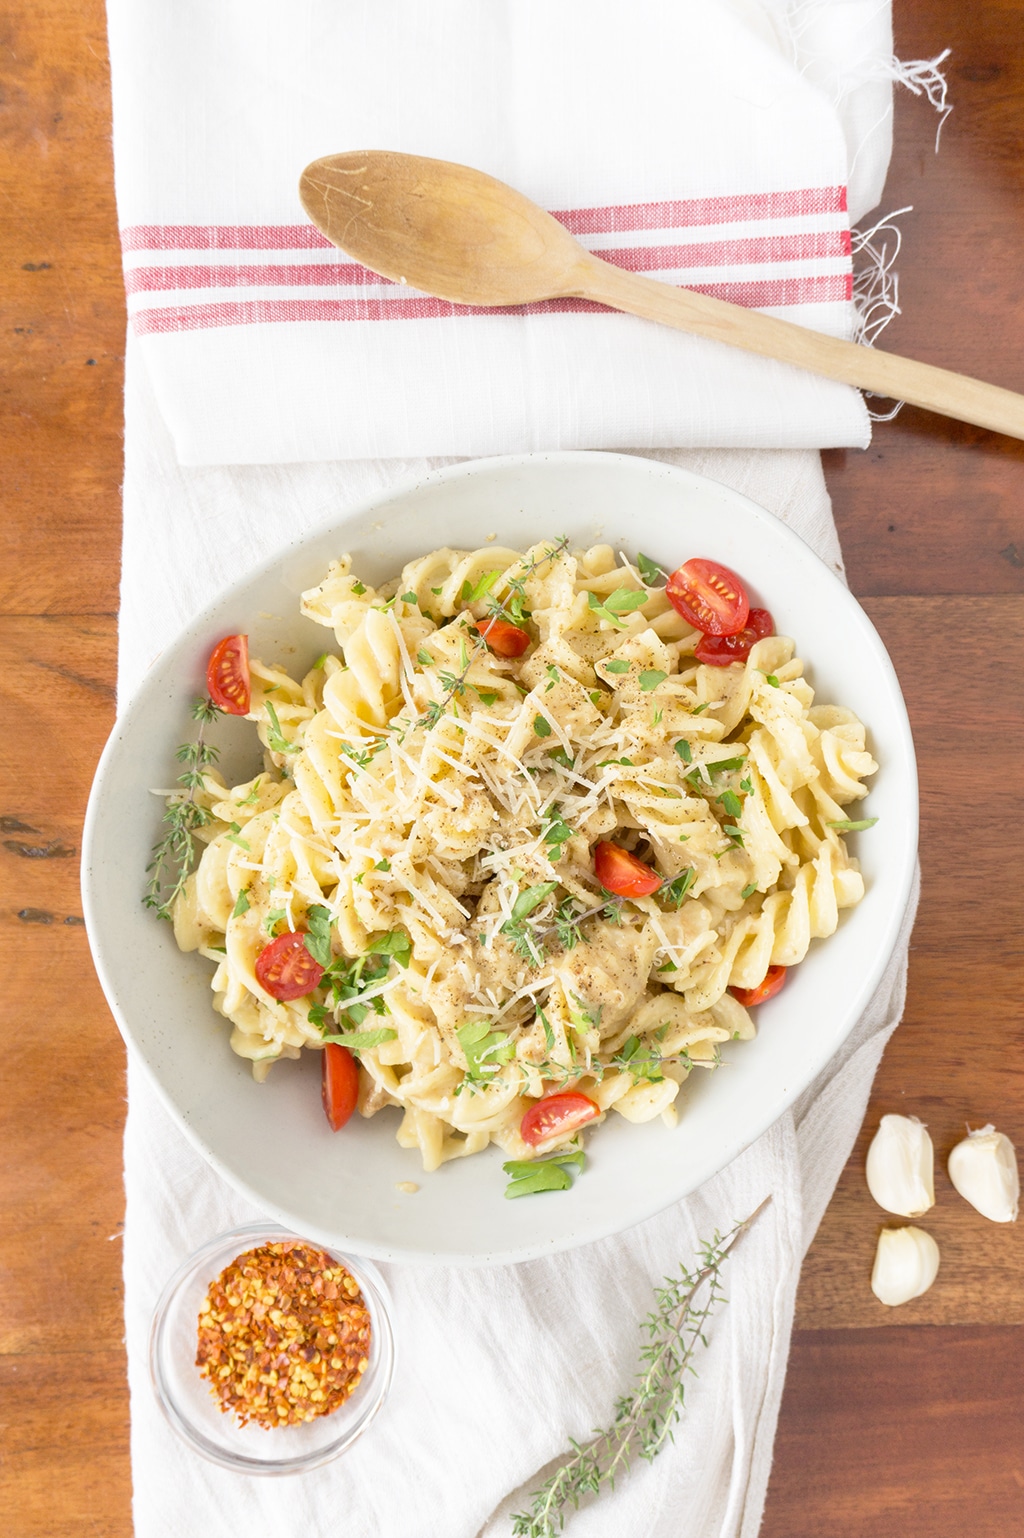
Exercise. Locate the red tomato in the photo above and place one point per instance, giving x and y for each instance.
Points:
(766, 989)
(227, 675)
(719, 650)
(556, 1114)
(505, 640)
(339, 1084)
(622, 873)
(710, 596)
(286, 969)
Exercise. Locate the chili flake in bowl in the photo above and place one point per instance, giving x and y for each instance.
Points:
(293, 1342)
(284, 1334)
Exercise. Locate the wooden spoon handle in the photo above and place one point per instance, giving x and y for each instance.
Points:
(883, 373)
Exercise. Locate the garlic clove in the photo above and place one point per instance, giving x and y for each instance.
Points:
(906, 1264)
(901, 1167)
(983, 1168)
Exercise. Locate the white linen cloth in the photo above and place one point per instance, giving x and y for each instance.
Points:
(718, 144)
(496, 1369)
(636, 124)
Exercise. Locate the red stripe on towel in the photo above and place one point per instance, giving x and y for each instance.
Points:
(668, 215)
(770, 293)
(719, 253)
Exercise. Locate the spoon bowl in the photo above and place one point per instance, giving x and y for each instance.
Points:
(448, 230)
(456, 233)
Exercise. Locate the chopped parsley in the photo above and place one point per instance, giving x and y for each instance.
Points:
(527, 1177)
(241, 904)
(846, 826)
(623, 601)
(651, 678)
(541, 726)
(650, 571)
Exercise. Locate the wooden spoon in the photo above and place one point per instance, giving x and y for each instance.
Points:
(463, 236)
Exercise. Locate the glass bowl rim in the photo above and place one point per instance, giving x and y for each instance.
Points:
(378, 1302)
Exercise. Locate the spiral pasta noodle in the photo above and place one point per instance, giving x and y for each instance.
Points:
(439, 798)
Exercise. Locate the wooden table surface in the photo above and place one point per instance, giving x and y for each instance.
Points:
(901, 1422)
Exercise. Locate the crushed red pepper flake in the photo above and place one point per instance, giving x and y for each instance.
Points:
(284, 1335)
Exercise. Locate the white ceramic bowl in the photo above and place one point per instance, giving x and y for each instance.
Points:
(272, 1140)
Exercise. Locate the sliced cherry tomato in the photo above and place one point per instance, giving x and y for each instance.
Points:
(505, 640)
(339, 1084)
(710, 596)
(556, 1114)
(622, 873)
(719, 650)
(766, 989)
(286, 969)
(227, 675)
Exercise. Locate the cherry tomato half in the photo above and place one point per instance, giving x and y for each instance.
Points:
(766, 989)
(556, 1114)
(622, 873)
(719, 650)
(710, 596)
(227, 675)
(286, 969)
(505, 640)
(339, 1084)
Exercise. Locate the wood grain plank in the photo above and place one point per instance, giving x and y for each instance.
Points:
(931, 506)
(909, 1432)
(65, 1439)
(62, 315)
(61, 1197)
(958, 1056)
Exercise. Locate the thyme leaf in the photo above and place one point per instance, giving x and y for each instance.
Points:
(644, 1419)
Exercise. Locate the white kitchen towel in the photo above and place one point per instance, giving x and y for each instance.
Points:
(496, 1369)
(722, 145)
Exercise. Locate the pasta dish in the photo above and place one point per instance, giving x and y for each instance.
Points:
(529, 840)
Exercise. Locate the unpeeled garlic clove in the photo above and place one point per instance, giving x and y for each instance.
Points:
(906, 1264)
(901, 1167)
(983, 1168)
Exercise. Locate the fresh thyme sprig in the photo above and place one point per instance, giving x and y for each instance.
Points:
(174, 854)
(645, 1419)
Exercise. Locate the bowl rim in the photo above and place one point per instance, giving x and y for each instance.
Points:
(338, 519)
(247, 1236)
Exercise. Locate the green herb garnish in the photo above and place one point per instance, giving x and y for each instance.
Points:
(623, 601)
(651, 678)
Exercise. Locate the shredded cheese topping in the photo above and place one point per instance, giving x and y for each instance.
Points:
(419, 784)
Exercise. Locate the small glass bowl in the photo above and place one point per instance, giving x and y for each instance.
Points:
(189, 1404)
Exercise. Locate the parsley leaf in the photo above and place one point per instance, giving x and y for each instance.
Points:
(731, 803)
(749, 890)
(846, 826)
(682, 747)
(529, 1176)
(276, 740)
(358, 1041)
(424, 658)
(485, 1050)
(651, 678)
(472, 594)
(675, 890)
(241, 904)
(556, 833)
(541, 726)
(410, 598)
(486, 696)
(723, 765)
(320, 661)
(623, 601)
(395, 943)
(232, 837)
(530, 899)
(359, 587)
(318, 934)
(560, 756)
(649, 570)
(640, 1060)
(617, 665)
